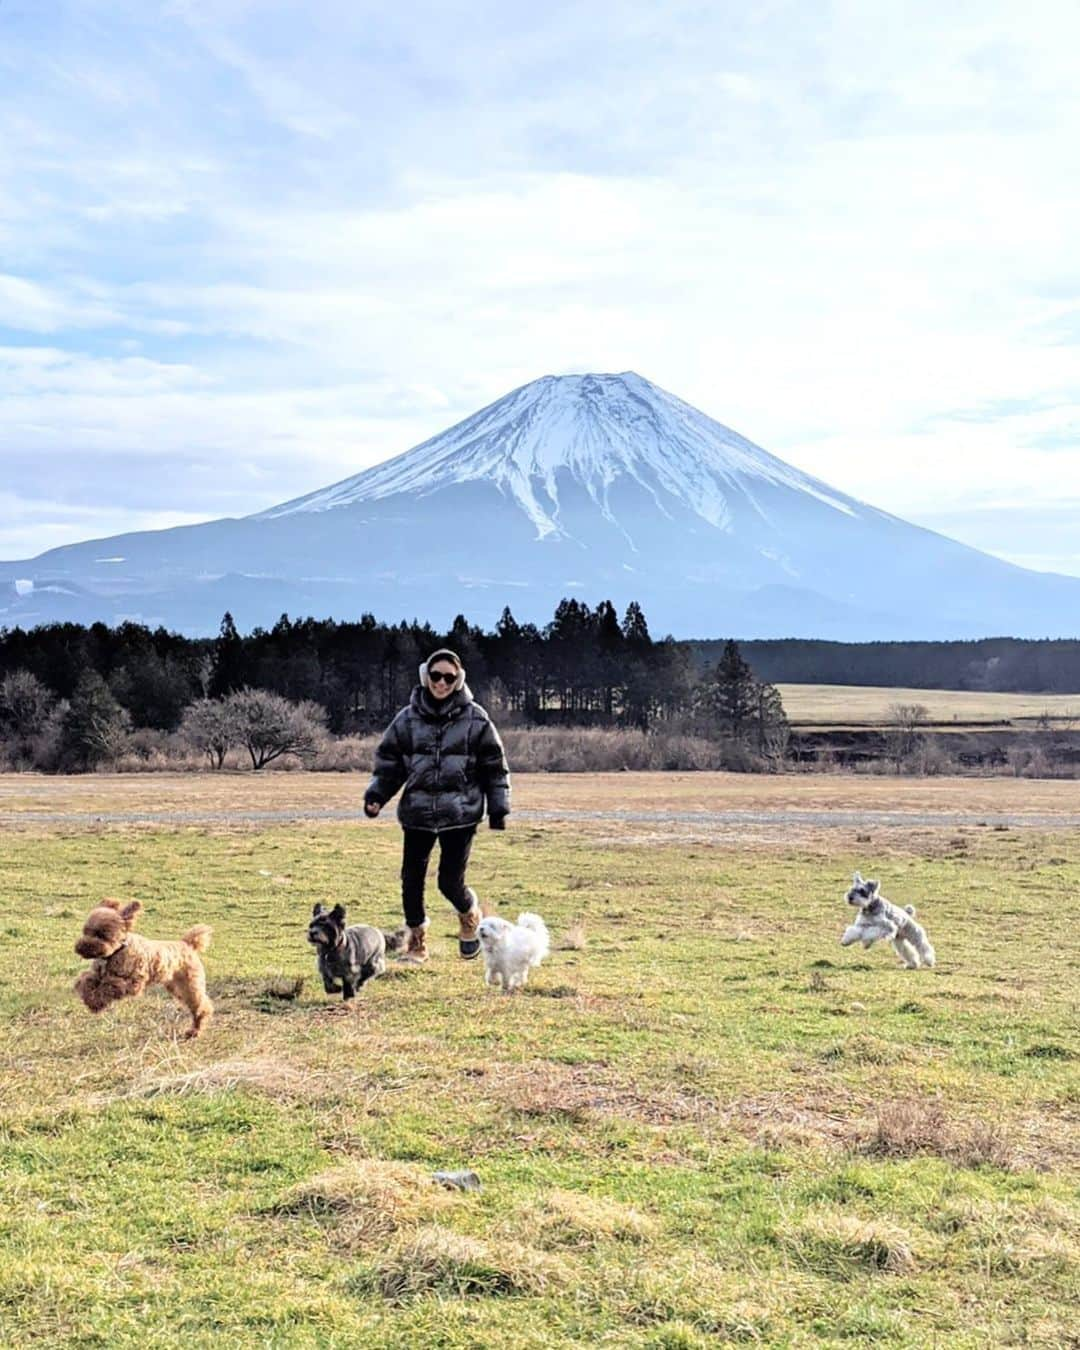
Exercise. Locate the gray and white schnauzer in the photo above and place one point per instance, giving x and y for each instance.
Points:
(878, 918)
(349, 956)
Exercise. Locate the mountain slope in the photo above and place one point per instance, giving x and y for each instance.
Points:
(599, 485)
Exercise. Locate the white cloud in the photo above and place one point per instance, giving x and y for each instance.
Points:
(32, 526)
(297, 241)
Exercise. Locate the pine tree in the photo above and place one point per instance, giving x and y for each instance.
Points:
(635, 629)
(735, 699)
(229, 661)
(95, 727)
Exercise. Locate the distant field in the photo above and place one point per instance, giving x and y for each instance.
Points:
(866, 705)
(703, 1125)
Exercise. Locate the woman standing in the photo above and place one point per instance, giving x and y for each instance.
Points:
(447, 754)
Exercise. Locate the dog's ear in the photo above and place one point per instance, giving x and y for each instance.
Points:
(872, 886)
(317, 911)
(131, 912)
(338, 913)
(856, 880)
(110, 902)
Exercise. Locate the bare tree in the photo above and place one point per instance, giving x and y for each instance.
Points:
(210, 726)
(25, 704)
(774, 730)
(269, 726)
(903, 734)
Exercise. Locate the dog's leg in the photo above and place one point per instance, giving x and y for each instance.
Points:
(188, 987)
(906, 952)
(329, 982)
(349, 990)
(851, 935)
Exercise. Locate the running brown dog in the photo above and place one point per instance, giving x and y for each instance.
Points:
(125, 963)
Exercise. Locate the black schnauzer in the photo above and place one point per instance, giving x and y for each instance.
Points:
(349, 956)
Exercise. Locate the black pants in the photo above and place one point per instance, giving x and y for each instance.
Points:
(454, 849)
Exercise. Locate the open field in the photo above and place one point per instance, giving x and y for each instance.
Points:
(704, 1124)
(866, 705)
(236, 796)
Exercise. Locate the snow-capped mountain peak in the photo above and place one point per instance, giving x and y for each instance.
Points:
(598, 486)
(594, 430)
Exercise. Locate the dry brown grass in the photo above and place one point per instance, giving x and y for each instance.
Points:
(863, 1049)
(824, 704)
(271, 1077)
(830, 1240)
(436, 1260)
(574, 1094)
(574, 939)
(572, 1218)
(367, 1200)
(778, 1120)
(301, 794)
(909, 1127)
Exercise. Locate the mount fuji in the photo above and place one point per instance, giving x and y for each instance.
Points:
(604, 486)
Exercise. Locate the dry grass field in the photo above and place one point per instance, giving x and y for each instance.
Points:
(703, 1124)
(235, 796)
(863, 705)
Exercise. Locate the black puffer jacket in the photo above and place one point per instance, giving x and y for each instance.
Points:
(448, 757)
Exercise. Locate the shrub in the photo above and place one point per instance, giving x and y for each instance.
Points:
(269, 726)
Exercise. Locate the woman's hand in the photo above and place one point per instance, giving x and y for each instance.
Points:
(372, 809)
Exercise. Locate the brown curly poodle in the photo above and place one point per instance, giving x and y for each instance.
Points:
(125, 962)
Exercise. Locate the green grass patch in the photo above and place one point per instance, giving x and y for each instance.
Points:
(703, 1124)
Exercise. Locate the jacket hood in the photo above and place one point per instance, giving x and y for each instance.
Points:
(422, 702)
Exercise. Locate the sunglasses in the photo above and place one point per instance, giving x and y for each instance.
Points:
(442, 676)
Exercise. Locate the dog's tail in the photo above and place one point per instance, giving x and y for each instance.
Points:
(909, 909)
(395, 941)
(536, 925)
(198, 938)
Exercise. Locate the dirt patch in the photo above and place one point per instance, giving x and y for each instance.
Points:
(554, 1091)
(778, 1120)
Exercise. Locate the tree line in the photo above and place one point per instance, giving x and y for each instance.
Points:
(1001, 665)
(69, 694)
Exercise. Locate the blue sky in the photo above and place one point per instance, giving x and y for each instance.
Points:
(247, 249)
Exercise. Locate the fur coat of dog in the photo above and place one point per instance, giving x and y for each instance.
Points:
(125, 963)
(511, 950)
(349, 956)
(879, 918)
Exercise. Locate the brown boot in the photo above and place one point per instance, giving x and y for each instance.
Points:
(416, 952)
(468, 923)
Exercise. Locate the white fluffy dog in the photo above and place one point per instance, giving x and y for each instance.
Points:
(879, 918)
(511, 950)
